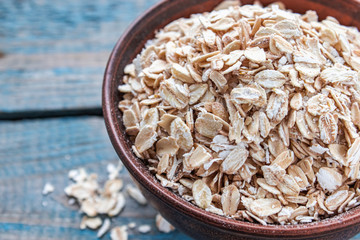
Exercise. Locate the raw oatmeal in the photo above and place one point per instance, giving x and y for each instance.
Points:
(100, 204)
(250, 112)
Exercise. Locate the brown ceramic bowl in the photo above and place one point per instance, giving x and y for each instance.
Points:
(186, 217)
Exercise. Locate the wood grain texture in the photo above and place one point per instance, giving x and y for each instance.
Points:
(34, 152)
(48, 82)
(53, 53)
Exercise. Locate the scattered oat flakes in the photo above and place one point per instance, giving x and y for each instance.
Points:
(94, 200)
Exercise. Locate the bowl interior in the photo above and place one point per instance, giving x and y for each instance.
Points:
(131, 43)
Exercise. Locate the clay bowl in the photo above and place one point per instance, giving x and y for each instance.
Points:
(186, 217)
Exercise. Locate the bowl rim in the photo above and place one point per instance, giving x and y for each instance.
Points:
(333, 224)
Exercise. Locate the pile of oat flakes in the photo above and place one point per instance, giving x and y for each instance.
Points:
(100, 204)
(250, 112)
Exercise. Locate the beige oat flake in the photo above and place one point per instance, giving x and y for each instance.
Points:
(119, 233)
(251, 94)
(270, 79)
(265, 207)
(234, 161)
(175, 94)
(230, 200)
(145, 138)
(201, 193)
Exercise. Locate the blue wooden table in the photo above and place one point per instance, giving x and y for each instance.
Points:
(52, 58)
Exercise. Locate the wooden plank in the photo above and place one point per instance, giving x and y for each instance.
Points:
(34, 152)
(53, 53)
(50, 82)
(58, 26)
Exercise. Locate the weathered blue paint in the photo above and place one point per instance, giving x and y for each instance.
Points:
(32, 78)
(93, 25)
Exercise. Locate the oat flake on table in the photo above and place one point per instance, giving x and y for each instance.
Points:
(96, 202)
(250, 112)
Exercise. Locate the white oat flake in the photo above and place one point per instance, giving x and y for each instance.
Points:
(136, 195)
(144, 228)
(48, 188)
